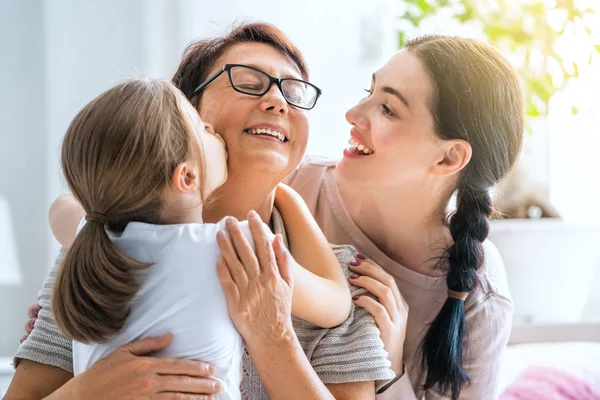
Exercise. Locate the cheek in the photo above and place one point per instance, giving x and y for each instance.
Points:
(403, 148)
(301, 131)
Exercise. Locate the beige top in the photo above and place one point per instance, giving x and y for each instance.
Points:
(489, 307)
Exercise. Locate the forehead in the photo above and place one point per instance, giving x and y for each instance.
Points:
(262, 56)
(407, 74)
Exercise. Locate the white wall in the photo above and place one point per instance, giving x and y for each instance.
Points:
(23, 161)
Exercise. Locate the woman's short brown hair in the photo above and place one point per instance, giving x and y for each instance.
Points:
(201, 55)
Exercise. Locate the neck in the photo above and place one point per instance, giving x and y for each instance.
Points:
(408, 228)
(239, 195)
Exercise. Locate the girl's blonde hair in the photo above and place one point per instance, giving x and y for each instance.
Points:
(118, 157)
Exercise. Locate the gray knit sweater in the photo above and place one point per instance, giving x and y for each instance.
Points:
(350, 352)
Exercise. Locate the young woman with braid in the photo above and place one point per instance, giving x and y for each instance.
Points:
(444, 116)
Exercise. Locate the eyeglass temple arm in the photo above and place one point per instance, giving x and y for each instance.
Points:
(208, 81)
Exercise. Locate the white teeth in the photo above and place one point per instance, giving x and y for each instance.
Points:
(265, 131)
(359, 148)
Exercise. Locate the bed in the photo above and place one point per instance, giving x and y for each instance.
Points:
(552, 362)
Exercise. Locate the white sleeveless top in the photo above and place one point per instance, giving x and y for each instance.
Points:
(180, 293)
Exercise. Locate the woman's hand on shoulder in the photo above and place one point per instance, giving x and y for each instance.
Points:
(258, 286)
(389, 310)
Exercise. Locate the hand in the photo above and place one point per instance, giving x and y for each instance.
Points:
(389, 310)
(125, 374)
(258, 287)
(32, 313)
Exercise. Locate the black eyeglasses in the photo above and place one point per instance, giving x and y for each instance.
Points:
(253, 81)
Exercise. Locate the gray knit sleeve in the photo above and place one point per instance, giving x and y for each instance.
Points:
(352, 351)
(46, 344)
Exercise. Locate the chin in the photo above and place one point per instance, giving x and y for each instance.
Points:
(267, 162)
(346, 172)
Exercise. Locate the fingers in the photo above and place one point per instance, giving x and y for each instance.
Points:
(29, 325)
(23, 338)
(231, 290)
(148, 345)
(264, 248)
(182, 366)
(236, 269)
(378, 311)
(242, 248)
(367, 267)
(188, 385)
(383, 293)
(282, 256)
(33, 311)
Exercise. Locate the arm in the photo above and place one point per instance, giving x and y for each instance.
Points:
(33, 380)
(321, 294)
(64, 216)
(258, 291)
(287, 374)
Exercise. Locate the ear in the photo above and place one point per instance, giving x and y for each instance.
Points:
(454, 156)
(185, 178)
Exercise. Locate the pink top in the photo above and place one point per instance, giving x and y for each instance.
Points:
(489, 307)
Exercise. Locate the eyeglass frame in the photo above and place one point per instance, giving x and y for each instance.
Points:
(227, 68)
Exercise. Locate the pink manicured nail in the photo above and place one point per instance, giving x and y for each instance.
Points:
(355, 298)
(31, 324)
(354, 276)
(361, 257)
(355, 263)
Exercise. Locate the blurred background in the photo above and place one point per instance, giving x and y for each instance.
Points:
(55, 56)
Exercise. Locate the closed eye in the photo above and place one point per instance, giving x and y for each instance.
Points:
(387, 111)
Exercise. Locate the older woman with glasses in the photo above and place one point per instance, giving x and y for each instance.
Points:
(252, 86)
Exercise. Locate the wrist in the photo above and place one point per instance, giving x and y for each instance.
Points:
(398, 366)
(66, 392)
(284, 340)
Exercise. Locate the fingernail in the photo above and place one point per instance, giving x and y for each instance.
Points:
(361, 257)
(31, 324)
(355, 298)
(355, 263)
(253, 214)
(354, 276)
(35, 311)
(209, 369)
(217, 386)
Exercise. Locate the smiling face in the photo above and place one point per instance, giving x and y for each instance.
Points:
(392, 141)
(263, 134)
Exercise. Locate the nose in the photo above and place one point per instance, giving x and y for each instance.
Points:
(357, 117)
(273, 101)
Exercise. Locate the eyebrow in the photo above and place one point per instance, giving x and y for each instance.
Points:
(394, 92)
